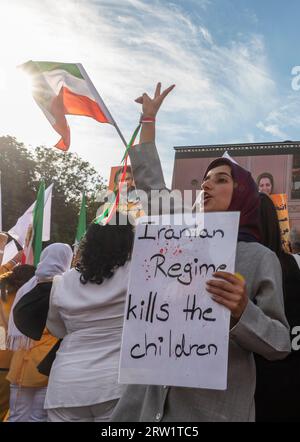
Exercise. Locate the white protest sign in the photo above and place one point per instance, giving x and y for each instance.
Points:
(174, 333)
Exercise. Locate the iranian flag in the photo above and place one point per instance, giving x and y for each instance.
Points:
(33, 248)
(62, 89)
(81, 227)
(20, 229)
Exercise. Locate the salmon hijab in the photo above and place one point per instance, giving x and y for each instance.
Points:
(245, 199)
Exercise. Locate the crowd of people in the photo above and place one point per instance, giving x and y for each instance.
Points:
(64, 325)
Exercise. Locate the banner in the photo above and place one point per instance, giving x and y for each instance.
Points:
(280, 202)
(174, 333)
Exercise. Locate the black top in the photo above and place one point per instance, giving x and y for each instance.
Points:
(30, 313)
(278, 382)
(30, 317)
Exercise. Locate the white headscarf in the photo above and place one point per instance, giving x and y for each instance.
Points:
(55, 260)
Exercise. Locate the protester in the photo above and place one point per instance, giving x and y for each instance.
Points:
(28, 386)
(278, 382)
(126, 192)
(86, 310)
(258, 323)
(10, 282)
(265, 183)
(127, 179)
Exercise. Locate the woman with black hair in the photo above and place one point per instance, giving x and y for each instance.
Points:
(278, 382)
(86, 310)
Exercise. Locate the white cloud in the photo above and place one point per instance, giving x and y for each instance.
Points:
(284, 121)
(271, 129)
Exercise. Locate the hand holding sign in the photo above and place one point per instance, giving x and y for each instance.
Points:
(229, 290)
(174, 333)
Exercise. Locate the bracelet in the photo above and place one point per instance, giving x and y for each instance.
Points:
(146, 119)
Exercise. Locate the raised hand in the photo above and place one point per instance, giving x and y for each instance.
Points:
(152, 105)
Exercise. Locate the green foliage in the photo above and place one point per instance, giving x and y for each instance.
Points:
(22, 171)
(17, 179)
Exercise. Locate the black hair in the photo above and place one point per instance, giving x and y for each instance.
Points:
(270, 230)
(105, 248)
(15, 279)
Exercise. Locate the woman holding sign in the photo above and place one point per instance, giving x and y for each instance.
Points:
(253, 295)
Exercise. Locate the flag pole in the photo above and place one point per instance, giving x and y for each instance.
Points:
(101, 103)
(0, 204)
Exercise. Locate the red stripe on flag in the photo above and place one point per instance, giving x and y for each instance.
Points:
(75, 104)
(69, 103)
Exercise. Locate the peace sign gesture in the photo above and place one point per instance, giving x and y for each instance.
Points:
(152, 105)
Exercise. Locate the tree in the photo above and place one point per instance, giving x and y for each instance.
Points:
(69, 173)
(71, 176)
(17, 178)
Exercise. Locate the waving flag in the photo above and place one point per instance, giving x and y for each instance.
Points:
(81, 227)
(62, 89)
(0, 205)
(19, 231)
(33, 249)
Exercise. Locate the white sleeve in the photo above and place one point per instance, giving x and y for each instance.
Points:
(55, 324)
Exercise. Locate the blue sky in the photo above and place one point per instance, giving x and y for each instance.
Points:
(231, 61)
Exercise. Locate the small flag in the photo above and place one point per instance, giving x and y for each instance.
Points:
(20, 229)
(81, 227)
(33, 249)
(62, 89)
(0, 204)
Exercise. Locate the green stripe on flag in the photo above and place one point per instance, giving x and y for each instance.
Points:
(81, 228)
(38, 218)
(35, 67)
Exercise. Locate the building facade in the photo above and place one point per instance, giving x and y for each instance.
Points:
(281, 160)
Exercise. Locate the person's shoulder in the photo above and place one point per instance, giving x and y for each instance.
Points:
(290, 265)
(255, 249)
(123, 270)
(257, 256)
(71, 275)
(258, 260)
(67, 277)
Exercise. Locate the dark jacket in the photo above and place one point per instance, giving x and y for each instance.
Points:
(278, 382)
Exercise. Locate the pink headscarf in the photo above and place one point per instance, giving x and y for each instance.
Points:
(245, 199)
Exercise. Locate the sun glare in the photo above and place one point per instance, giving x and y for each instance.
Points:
(2, 79)
(20, 116)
